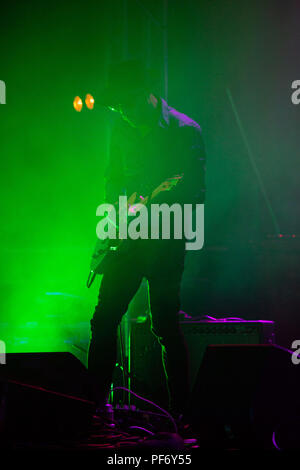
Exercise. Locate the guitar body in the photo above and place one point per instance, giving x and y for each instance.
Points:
(102, 248)
(108, 247)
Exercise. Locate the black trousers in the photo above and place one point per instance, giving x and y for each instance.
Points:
(162, 263)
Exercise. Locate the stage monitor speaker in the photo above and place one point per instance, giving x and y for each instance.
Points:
(58, 371)
(43, 395)
(249, 391)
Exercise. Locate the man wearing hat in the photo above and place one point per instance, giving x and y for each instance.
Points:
(150, 144)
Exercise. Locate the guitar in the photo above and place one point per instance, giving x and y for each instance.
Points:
(107, 246)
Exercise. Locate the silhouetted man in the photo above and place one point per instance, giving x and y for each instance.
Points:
(153, 142)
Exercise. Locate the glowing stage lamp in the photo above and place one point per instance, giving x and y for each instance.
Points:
(89, 101)
(77, 103)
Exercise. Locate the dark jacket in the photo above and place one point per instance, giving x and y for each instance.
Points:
(173, 147)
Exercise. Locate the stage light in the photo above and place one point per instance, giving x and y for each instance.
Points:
(89, 101)
(77, 103)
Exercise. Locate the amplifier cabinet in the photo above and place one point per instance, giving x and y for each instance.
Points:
(146, 364)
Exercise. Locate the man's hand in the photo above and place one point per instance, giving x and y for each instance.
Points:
(167, 185)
